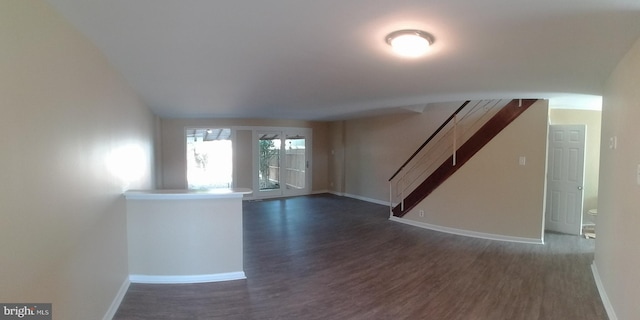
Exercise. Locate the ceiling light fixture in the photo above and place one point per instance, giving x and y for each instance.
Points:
(410, 43)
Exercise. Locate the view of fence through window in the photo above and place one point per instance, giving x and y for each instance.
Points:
(269, 172)
(209, 158)
(295, 162)
(273, 170)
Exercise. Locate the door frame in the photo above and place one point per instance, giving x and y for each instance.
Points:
(307, 133)
(579, 186)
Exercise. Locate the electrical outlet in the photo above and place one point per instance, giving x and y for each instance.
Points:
(613, 142)
(421, 212)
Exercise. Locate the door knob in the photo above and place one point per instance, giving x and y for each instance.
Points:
(579, 187)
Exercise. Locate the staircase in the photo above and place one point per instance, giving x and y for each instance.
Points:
(461, 136)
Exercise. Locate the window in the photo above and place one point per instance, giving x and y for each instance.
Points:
(209, 158)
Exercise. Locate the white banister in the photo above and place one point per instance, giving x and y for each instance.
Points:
(455, 147)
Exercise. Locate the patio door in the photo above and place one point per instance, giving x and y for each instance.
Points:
(283, 162)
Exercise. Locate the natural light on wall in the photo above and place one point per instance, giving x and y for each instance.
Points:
(127, 163)
(209, 158)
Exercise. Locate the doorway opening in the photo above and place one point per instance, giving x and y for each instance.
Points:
(588, 115)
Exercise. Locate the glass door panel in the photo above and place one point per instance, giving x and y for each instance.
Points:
(269, 153)
(295, 162)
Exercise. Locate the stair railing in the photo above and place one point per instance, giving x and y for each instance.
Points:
(440, 146)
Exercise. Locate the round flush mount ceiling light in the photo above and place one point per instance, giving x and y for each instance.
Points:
(410, 43)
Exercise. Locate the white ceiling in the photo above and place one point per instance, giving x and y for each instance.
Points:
(327, 59)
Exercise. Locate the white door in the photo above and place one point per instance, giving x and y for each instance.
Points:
(283, 162)
(565, 178)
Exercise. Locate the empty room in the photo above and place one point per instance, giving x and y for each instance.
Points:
(319, 160)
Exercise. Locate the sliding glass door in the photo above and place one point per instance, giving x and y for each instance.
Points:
(282, 162)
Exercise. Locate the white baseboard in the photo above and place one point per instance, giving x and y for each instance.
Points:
(341, 194)
(200, 278)
(115, 304)
(467, 233)
(376, 201)
(251, 197)
(603, 294)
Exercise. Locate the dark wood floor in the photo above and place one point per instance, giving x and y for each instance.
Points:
(330, 257)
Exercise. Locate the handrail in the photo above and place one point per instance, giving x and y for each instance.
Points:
(463, 134)
(429, 139)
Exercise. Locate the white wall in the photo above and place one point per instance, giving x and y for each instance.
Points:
(492, 194)
(184, 237)
(336, 157)
(617, 256)
(73, 137)
(371, 149)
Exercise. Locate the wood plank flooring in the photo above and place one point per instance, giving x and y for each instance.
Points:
(330, 257)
